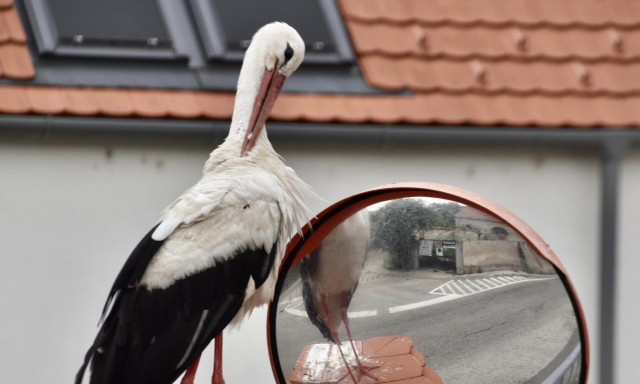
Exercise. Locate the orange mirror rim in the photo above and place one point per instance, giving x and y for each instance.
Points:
(320, 226)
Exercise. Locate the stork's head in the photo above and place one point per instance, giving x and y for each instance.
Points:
(283, 47)
(275, 52)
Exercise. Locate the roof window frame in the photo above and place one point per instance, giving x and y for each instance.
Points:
(47, 44)
(210, 28)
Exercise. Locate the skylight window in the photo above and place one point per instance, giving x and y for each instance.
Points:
(113, 28)
(227, 26)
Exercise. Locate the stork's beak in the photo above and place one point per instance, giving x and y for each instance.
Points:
(270, 87)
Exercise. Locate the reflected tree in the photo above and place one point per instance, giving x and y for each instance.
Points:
(394, 227)
(444, 214)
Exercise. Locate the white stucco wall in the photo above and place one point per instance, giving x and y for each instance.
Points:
(70, 213)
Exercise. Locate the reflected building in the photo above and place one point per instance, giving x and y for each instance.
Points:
(478, 243)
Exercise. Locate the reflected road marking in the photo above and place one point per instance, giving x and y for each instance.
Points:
(446, 290)
(426, 303)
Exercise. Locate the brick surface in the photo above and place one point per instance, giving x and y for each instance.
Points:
(390, 359)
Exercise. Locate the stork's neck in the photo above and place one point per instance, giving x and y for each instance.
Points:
(248, 87)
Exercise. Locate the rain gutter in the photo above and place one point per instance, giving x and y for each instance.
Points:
(46, 126)
(610, 143)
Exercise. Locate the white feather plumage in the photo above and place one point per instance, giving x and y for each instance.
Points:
(247, 199)
(248, 202)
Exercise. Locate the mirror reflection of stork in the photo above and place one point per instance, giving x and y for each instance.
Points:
(330, 276)
(215, 253)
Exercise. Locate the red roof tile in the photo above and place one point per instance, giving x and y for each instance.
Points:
(14, 100)
(149, 103)
(15, 60)
(497, 42)
(5, 32)
(14, 25)
(45, 100)
(518, 77)
(6, 4)
(512, 62)
(428, 108)
(217, 106)
(588, 13)
(80, 101)
(183, 104)
(115, 102)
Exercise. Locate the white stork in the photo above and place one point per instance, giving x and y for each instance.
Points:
(330, 276)
(215, 253)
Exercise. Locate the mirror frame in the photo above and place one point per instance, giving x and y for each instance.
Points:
(312, 234)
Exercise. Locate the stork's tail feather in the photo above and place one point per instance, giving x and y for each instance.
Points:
(94, 357)
(89, 360)
(308, 267)
(85, 364)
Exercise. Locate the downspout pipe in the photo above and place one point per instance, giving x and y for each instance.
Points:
(612, 152)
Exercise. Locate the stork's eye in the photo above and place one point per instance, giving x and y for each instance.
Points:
(288, 53)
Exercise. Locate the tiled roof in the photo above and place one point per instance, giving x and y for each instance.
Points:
(15, 62)
(451, 109)
(475, 214)
(568, 13)
(116, 102)
(478, 62)
(512, 62)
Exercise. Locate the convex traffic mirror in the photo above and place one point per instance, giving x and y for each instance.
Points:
(424, 283)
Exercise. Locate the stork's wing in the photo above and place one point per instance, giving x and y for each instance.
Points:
(133, 269)
(198, 277)
(308, 270)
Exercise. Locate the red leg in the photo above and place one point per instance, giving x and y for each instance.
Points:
(217, 377)
(345, 320)
(190, 374)
(334, 334)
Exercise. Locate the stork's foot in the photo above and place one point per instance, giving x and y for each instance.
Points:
(190, 374)
(363, 369)
(371, 363)
(188, 378)
(217, 379)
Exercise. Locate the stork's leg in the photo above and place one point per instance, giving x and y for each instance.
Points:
(334, 335)
(190, 374)
(217, 362)
(345, 320)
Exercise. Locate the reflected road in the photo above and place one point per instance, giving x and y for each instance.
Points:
(502, 335)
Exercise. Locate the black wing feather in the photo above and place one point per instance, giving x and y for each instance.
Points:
(152, 336)
(133, 269)
(130, 274)
(308, 270)
(261, 266)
